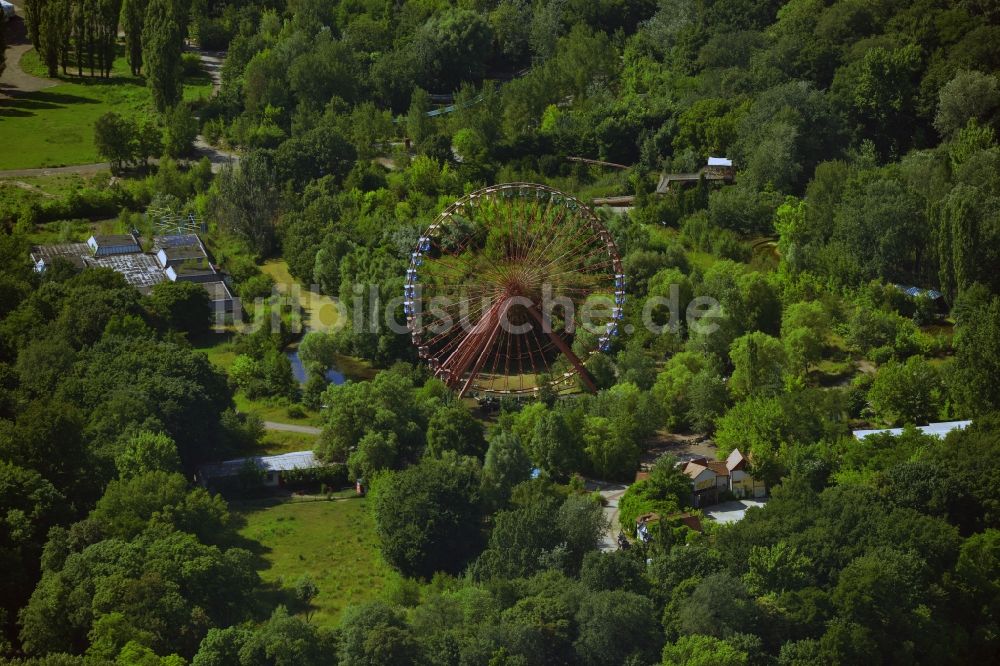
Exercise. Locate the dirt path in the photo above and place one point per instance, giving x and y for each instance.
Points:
(82, 169)
(31, 188)
(681, 446)
(212, 62)
(14, 80)
(291, 427)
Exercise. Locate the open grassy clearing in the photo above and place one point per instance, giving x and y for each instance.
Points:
(320, 311)
(276, 442)
(269, 409)
(218, 347)
(334, 543)
(55, 126)
(60, 184)
(72, 231)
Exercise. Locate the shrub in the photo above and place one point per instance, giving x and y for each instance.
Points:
(182, 128)
(258, 286)
(332, 476)
(213, 130)
(212, 34)
(191, 64)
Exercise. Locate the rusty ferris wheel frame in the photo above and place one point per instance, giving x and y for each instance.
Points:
(500, 285)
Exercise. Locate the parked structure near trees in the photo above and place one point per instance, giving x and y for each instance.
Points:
(175, 257)
(711, 477)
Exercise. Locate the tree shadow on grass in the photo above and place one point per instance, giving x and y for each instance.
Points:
(269, 594)
(21, 103)
(12, 113)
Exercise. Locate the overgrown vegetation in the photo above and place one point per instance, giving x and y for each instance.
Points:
(864, 141)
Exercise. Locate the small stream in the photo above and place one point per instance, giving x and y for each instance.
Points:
(333, 375)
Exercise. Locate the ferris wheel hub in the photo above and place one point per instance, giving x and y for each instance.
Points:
(479, 283)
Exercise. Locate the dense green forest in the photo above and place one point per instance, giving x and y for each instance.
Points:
(864, 138)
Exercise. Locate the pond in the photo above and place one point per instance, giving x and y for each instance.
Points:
(333, 375)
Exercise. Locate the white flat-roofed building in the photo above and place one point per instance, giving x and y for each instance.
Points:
(270, 467)
(935, 429)
(107, 244)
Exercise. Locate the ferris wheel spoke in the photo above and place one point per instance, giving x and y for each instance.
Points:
(573, 252)
(565, 249)
(483, 355)
(563, 231)
(484, 251)
(460, 359)
(580, 258)
(458, 320)
(605, 264)
(561, 235)
(469, 269)
(461, 325)
(566, 350)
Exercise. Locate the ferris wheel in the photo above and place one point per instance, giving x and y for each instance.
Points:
(512, 288)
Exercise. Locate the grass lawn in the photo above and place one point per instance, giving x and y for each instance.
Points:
(320, 311)
(333, 542)
(276, 442)
(55, 126)
(218, 347)
(269, 409)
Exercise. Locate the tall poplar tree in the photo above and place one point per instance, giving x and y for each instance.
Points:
(53, 25)
(107, 33)
(33, 18)
(161, 53)
(79, 18)
(133, 17)
(3, 43)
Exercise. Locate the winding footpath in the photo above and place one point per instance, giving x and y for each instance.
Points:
(15, 81)
(610, 493)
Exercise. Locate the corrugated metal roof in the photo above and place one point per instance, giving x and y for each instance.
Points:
(935, 429)
(175, 240)
(279, 463)
(720, 161)
(914, 292)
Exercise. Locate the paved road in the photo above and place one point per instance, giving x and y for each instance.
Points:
(14, 80)
(611, 492)
(731, 512)
(218, 157)
(291, 427)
